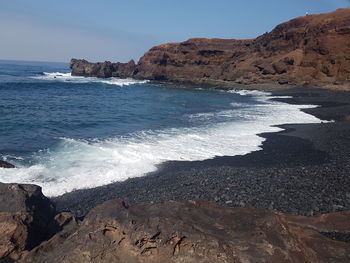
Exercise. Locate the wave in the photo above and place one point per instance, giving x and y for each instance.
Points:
(67, 77)
(76, 164)
(251, 93)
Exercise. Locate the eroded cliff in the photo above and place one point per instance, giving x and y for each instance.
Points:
(309, 50)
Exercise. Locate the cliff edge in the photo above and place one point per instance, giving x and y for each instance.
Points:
(311, 50)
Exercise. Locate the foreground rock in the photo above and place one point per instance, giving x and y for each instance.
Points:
(25, 218)
(309, 50)
(195, 231)
(4, 164)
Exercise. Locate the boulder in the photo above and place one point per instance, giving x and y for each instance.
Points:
(4, 164)
(25, 214)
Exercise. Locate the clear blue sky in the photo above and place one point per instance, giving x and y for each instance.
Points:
(50, 30)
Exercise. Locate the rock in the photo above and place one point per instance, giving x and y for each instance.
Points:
(279, 67)
(81, 67)
(14, 238)
(346, 118)
(125, 70)
(195, 231)
(299, 49)
(338, 207)
(4, 164)
(312, 50)
(25, 198)
(25, 214)
(87, 69)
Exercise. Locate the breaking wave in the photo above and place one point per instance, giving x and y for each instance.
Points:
(76, 164)
(67, 77)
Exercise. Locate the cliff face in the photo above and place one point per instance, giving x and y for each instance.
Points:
(313, 49)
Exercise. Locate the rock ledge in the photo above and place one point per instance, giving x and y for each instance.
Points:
(195, 231)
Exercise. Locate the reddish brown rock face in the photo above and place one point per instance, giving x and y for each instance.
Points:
(309, 50)
(195, 232)
(194, 59)
(25, 215)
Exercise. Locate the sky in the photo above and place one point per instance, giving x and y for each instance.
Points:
(116, 30)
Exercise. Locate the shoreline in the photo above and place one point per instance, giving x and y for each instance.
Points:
(302, 170)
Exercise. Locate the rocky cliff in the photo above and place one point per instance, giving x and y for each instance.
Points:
(313, 50)
(195, 231)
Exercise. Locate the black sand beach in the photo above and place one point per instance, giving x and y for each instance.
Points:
(302, 170)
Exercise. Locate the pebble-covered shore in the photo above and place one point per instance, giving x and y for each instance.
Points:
(303, 170)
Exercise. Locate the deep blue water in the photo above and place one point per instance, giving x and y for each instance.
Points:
(53, 124)
(35, 113)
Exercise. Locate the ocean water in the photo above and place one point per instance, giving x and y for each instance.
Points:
(65, 133)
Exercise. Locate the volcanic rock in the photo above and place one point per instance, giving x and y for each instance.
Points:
(4, 164)
(309, 50)
(81, 67)
(195, 231)
(25, 214)
(312, 49)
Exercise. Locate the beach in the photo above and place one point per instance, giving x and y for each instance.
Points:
(303, 170)
(190, 133)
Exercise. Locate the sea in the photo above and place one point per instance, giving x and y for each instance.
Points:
(65, 133)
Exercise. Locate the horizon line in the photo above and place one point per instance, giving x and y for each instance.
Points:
(36, 61)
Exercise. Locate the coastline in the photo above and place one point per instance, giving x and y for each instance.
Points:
(302, 170)
(227, 150)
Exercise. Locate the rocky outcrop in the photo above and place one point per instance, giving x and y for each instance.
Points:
(25, 218)
(4, 164)
(310, 50)
(195, 231)
(107, 69)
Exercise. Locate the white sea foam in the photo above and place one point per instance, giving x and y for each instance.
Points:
(67, 77)
(250, 93)
(80, 164)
